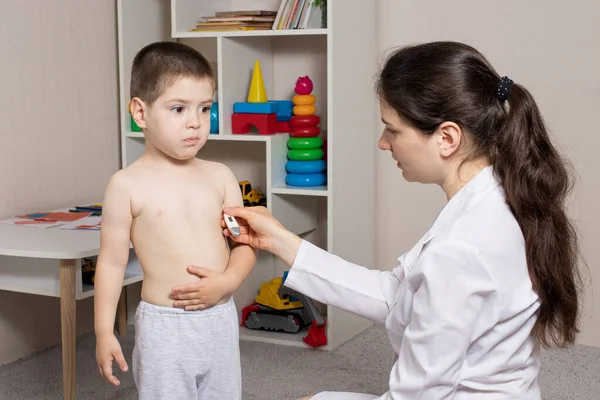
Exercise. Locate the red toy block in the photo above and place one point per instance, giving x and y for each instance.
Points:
(283, 126)
(265, 123)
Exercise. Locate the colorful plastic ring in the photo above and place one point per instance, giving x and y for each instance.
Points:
(304, 110)
(304, 100)
(214, 118)
(305, 179)
(305, 155)
(305, 120)
(304, 131)
(305, 167)
(305, 142)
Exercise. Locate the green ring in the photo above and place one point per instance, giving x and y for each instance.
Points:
(305, 154)
(305, 142)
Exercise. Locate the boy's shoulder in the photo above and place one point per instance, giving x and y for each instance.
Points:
(123, 178)
(215, 168)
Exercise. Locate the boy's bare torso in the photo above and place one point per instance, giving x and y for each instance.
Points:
(176, 223)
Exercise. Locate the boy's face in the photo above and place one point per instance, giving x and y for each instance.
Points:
(178, 123)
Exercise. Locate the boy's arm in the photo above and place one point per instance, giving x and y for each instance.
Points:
(114, 254)
(242, 257)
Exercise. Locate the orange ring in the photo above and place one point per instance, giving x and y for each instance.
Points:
(304, 100)
(304, 110)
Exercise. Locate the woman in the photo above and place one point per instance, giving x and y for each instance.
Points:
(469, 305)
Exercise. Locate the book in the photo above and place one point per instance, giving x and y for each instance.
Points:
(249, 12)
(241, 18)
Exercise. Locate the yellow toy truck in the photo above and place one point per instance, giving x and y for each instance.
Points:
(281, 309)
(252, 197)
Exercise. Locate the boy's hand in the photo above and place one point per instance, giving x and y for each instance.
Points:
(107, 350)
(207, 292)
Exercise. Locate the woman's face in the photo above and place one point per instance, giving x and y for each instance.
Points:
(416, 154)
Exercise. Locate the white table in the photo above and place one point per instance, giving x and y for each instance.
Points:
(48, 262)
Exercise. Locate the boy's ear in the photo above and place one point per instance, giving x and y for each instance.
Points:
(137, 108)
(449, 137)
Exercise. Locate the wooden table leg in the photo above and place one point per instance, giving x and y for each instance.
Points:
(122, 313)
(68, 327)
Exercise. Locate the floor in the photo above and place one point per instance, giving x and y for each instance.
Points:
(360, 365)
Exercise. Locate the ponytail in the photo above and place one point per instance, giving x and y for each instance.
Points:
(536, 181)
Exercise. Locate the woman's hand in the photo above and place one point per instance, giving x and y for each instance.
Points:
(261, 230)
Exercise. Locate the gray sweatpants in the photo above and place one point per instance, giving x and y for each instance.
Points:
(187, 355)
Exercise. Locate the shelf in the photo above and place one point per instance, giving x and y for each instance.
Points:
(133, 274)
(286, 32)
(328, 57)
(286, 339)
(19, 274)
(186, 13)
(301, 191)
(225, 137)
(241, 138)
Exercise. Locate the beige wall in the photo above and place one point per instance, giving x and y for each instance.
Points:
(59, 138)
(552, 48)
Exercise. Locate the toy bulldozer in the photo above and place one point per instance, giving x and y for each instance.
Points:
(281, 309)
(252, 197)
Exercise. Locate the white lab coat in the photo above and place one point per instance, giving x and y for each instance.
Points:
(458, 309)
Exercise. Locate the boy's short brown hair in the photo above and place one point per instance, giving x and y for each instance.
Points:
(158, 65)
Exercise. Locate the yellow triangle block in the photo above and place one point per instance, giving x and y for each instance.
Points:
(257, 92)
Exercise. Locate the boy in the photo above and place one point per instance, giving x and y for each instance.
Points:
(169, 204)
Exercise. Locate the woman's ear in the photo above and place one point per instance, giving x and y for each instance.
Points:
(449, 138)
(137, 108)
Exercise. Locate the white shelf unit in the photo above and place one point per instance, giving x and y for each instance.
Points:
(341, 62)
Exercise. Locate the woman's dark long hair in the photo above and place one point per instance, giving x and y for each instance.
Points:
(447, 81)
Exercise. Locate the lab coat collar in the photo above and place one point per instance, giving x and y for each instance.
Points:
(464, 200)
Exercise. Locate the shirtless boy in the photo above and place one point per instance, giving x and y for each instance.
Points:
(169, 204)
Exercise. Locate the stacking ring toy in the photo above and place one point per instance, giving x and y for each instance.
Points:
(305, 120)
(304, 131)
(214, 118)
(304, 110)
(305, 142)
(305, 167)
(305, 154)
(305, 179)
(304, 100)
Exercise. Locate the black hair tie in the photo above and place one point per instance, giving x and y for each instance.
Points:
(504, 88)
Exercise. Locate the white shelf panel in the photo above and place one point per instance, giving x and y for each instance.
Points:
(134, 134)
(300, 191)
(225, 137)
(286, 32)
(241, 138)
(20, 274)
(286, 339)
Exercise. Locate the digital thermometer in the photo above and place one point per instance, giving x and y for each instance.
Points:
(232, 225)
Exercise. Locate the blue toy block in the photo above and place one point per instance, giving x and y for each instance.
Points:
(284, 109)
(254, 108)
